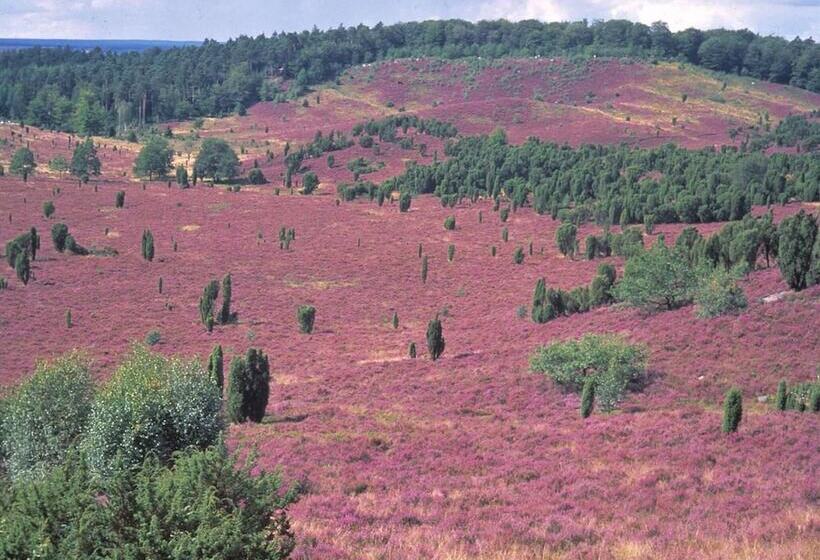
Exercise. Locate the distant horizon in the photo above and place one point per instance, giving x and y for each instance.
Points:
(191, 21)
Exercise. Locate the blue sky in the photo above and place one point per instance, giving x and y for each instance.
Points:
(198, 19)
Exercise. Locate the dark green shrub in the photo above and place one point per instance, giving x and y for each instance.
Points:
(435, 339)
(310, 182)
(600, 290)
(147, 248)
(780, 398)
(22, 267)
(59, 232)
(451, 252)
(206, 304)
(797, 237)
(119, 199)
(518, 255)
(153, 338)
(424, 269)
(306, 314)
(44, 417)
(732, 410)
(216, 368)
(395, 320)
(152, 405)
(48, 208)
(587, 397)
(404, 201)
(68, 322)
(412, 350)
(610, 361)
(182, 176)
(225, 315)
(591, 247)
(565, 237)
(249, 387)
(493, 250)
(504, 214)
(73, 247)
(450, 223)
(505, 235)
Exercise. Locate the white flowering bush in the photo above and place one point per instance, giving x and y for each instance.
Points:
(152, 405)
(45, 416)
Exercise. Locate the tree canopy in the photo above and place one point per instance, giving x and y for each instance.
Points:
(217, 160)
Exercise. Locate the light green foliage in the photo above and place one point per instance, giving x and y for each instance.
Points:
(152, 404)
(154, 158)
(450, 223)
(718, 292)
(45, 415)
(610, 361)
(658, 278)
(48, 208)
(84, 161)
(565, 237)
(22, 163)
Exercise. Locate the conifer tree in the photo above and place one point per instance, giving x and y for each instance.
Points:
(435, 339)
(732, 410)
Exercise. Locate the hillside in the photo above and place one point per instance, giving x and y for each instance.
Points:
(474, 455)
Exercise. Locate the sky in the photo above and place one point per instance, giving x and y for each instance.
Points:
(220, 20)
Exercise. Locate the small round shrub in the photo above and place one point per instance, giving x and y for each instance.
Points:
(450, 223)
(306, 314)
(48, 208)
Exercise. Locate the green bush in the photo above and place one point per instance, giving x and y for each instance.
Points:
(44, 416)
(151, 405)
(658, 278)
(119, 199)
(587, 397)
(22, 267)
(182, 176)
(225, 314)
(310, 182)
(451, 252)
(249, 387)
(153, 338)
(147, 247)
(48, 208)
(565, 238)
(424, 269)
(306, 315)
(59, 232)
(600, 290)
(611, 362)
(504, 214)
(718, 293)
(201, 506)
(780, 398)
(206, 304)
(404, 201)
(395, 320)
(412, 350)
(216, 368)
(505, 235)
(797, 238)
(450, 223)
(518, 255)
(732, 411)
(435, 339)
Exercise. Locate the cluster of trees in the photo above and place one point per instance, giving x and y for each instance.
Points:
(800, 396)
(386, 129)
(136, 467)
(549, 303)
(208, 314)
(615, 184)
(104, 93)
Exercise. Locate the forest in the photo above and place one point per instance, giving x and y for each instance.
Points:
(100, 93)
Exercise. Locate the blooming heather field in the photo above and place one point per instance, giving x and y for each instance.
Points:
(471, 456)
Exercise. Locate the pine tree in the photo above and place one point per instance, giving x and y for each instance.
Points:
(412, 350)
(206, 304)
(518, 255)
(147, 245)
(395, 320)
(435, 339)
(587, 397)
(780, 398)
(451, 252)
(732, 410)
(119, 199)
(424, 269)
(22, 267)
(225, 315)
(306, 315)
(216, 367)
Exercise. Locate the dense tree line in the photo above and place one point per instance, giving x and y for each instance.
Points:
(97, 92)
(615, 184)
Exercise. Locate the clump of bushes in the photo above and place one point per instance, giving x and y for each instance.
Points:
(548, 303)
(310, 182)
(609, 361)
(404, 201)
(306, 315)
(800, 397)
